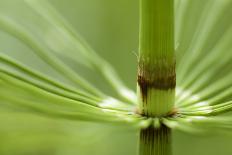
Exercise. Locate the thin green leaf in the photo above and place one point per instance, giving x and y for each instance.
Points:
(20, 33)
(80, 47)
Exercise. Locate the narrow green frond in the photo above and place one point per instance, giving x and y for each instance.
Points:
(14, 68)
(20, 33)
(33, 99)
(180, 12)
(78, 47)
(201, 124)
(208, 93)
(210, 66)
(187, 19)
(185, 127)
(204, 86)
(108, 103)
(207, 25)
(207, 110)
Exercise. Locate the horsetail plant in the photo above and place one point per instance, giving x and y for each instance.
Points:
(172, 43)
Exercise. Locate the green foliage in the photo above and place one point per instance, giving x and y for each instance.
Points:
(203, 53)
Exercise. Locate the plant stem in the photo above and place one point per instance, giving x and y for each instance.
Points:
(156, 72)
(155, 141)
(156, 69)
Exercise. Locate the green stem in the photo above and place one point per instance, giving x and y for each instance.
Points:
(156, 72)
(156, 69)
(155, 141)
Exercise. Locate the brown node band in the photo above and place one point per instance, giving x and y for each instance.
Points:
(156, 81)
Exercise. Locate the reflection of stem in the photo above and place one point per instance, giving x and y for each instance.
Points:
(155, 141)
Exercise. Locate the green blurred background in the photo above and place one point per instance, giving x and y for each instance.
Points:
(111, 28)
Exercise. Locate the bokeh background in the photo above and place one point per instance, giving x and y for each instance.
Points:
(111, 28)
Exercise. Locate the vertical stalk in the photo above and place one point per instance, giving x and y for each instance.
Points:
(156, 80)
(155, 141)
(156, 69)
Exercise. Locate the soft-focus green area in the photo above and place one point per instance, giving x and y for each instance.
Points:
(111, 27)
